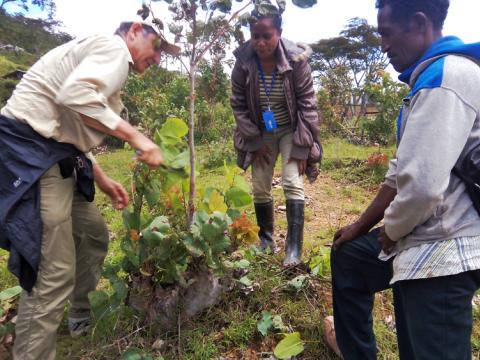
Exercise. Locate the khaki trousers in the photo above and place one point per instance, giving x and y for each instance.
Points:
(74, 244)
(279, 142)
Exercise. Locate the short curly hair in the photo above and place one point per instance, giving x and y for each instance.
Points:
(403, 10)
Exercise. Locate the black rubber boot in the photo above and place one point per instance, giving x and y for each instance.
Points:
(264, 214)
(294, 241)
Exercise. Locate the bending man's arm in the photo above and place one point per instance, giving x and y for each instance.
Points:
(149, 152)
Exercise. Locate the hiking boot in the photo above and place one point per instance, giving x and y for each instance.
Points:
(329, 335)
(264, 214)
(294, 240)
(79, 327)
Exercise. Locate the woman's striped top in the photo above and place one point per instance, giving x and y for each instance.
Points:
(278, 101)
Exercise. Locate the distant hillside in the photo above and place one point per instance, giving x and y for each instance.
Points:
(22, 42)
(35, 36)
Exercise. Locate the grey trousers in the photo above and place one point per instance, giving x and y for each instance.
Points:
(279, 142)
(74, 245)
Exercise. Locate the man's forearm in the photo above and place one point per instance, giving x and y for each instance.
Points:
(375, 212)
(124, 131)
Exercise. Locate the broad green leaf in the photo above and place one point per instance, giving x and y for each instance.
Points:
(192, 246)
(291, 345)
(121, 291)
(159, 224)
(245, 281)
(217, 203)
(181, 160)
(130, 220)
(278, 323)
(99, 301)
(304, 3)
(8, 328)
(297, 283)
(241, 183)
(238, 197)
(241, 264)
(132, 354)
(265, 323)
(10, 293)
(174, 127)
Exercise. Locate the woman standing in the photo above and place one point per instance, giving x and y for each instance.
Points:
(275, 109)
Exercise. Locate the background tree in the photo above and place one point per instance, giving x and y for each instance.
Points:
(387, 94)
(213, 87)
(349, 62)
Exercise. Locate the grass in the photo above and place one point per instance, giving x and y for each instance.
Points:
(229, 329)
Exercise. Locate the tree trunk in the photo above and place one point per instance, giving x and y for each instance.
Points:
(191, 143)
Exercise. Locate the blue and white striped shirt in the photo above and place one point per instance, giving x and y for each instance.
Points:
(443, 258)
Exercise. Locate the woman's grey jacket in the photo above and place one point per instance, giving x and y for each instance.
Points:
(299, 94)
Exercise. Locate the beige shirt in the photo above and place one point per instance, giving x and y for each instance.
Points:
(80, 77)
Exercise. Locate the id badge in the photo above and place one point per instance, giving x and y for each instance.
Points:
(269, 120)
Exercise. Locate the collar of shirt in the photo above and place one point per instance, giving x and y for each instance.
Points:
(124, 45)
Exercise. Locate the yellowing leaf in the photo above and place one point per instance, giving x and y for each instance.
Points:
(217, 203)
(291, 345)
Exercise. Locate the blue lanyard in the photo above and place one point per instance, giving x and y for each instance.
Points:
(262, 75)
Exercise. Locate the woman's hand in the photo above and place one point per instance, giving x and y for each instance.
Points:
(262, 156)
(302, 165)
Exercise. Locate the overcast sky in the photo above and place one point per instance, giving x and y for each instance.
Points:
(324, 20)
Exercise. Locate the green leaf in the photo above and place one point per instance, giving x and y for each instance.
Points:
(304, 3)
(245, 281)
(278, 323)
(174, 127)
(99, 301)
(291, 345)
(121, 291)
(181, 160)
(297, 283)
(238, 197)
(193, 246)
(132, 354)
(10, 293)
(265, 323)
(6, 329)
(241, 264)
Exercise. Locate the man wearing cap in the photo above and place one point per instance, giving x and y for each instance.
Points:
(61, 109)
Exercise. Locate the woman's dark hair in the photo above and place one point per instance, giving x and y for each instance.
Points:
(126, 25)
(403, 10)
(276, 19)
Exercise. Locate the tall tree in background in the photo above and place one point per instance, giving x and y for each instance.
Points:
(350, 61)
(212, 86)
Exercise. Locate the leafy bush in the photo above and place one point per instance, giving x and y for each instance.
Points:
(217, 153)
(388, 97)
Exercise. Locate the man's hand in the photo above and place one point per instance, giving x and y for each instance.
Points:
(113, 189)
(262, 156)
(301, 163)
(151, 155)
(347, 233)
(387, 244)
(117, 194)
